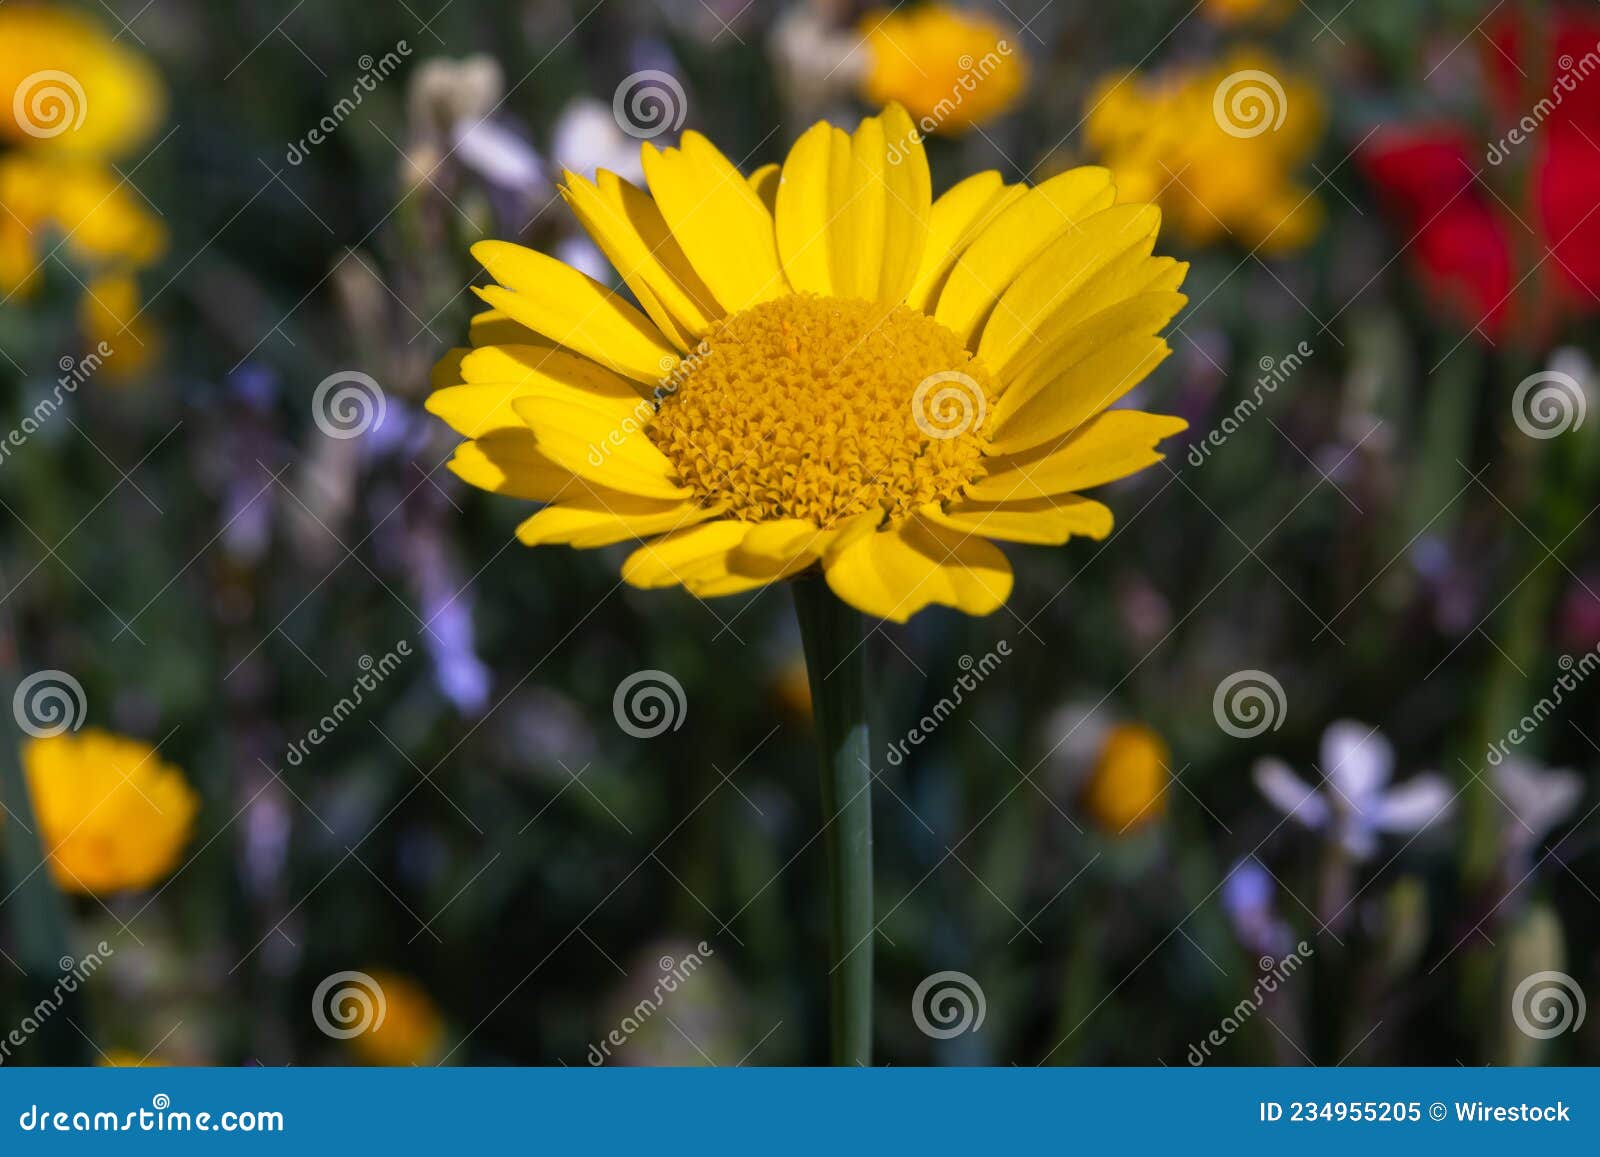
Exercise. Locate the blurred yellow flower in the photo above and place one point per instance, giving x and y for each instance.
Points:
(101, 220)
(1127, 787)
(1231, 12)
(1217, 148)
(109, 316)
(112, 814)
(950, 69)
(128, 1059)
(66, 86)
(410, 1031)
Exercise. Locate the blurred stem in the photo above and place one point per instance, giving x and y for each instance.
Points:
(835, 665)
(37, 910)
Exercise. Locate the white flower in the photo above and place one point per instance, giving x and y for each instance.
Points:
(498, 155)
(587, 137)
(1355, 801)
(1538, 799)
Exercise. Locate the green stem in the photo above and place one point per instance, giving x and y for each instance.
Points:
(835, 664)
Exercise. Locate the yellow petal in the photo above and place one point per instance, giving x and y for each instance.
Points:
(447, 370)
(491, 327)
(1013, 239)
(959, 215)
(674, 558)
(591, 520)
(1141, 316)
(593, 444)
(852, 211)
(765, 182)
(508, 462)
(718, 219)
(573, 310)
(1046, 287)
(498, 376)
(631, 232)
(1042, 522)
(894, 573)
(1111, 446)
(1079, 393)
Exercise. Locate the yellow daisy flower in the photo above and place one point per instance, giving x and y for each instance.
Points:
(128, 1059)
(67, 86)
(1218, 148)
(104, 223)
(111, 813)
(1231, 12)
(827, 368)
(950, 69)
(410, 1032)
(109, 316)
(1126, 788)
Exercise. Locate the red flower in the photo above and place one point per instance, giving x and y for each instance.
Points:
(1504, 261)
